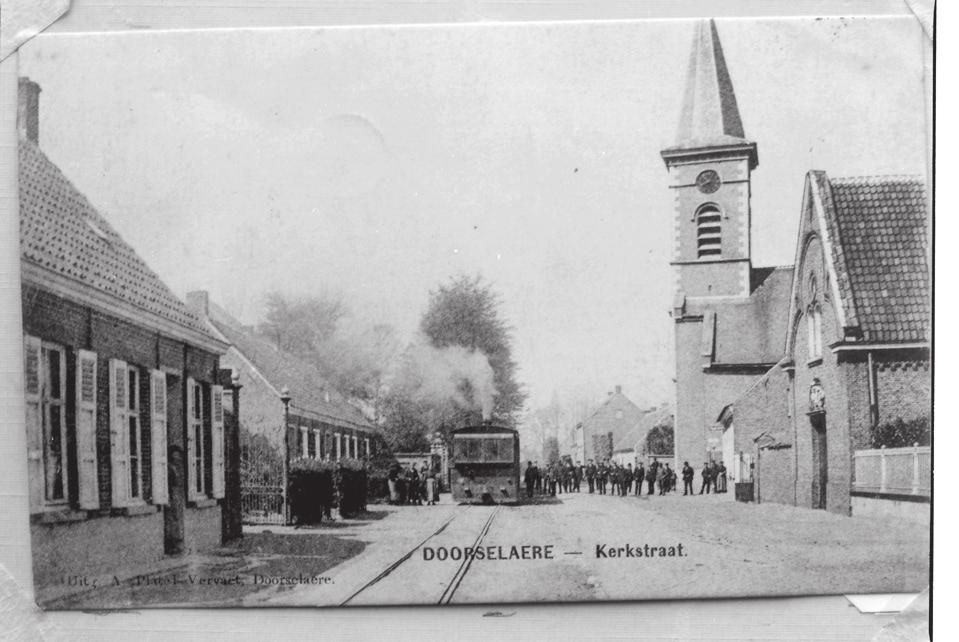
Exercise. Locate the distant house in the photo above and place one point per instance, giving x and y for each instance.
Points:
(323, 424)
(631, 448)
(125, 422)
(606, 427)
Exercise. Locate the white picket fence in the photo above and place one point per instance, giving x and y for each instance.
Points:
(898, 471)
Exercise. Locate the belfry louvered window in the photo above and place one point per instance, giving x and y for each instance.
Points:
(708, 232)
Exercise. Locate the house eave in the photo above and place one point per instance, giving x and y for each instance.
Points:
(739, 368)
(848, 346)
(87, 295)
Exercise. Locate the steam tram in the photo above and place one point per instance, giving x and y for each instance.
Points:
(485, 465)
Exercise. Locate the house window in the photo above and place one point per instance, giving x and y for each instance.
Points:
(708, 233)
(54, 423)
(133, 434)
(196, 435)
(304, 442)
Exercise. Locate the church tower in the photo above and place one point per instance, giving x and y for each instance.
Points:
(710, 167)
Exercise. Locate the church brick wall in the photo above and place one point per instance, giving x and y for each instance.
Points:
(774, 470)
(903, 386)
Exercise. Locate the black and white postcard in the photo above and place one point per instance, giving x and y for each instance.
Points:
(470, 314)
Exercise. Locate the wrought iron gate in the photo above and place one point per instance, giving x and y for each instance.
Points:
(261, 480)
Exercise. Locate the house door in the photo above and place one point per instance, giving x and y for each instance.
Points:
(820, 462)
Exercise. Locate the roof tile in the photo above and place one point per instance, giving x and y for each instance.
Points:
(62, 232)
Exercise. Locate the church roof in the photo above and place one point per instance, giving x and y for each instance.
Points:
(63, 235)
(878, 228)
(709, 116)
(747, 330)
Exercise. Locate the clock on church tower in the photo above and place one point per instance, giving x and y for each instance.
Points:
(710, 168)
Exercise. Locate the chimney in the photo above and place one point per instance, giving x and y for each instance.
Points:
(199, 300)
(619, 390)
(28, 109)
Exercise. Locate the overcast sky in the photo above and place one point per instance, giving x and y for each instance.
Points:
(381, 161)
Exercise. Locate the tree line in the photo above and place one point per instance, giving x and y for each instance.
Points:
(459, 361)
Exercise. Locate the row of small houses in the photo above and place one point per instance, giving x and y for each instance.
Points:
(133, 396)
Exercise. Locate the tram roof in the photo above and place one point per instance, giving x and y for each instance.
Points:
(486, 429)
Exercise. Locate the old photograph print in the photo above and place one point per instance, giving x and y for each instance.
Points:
(476, 314)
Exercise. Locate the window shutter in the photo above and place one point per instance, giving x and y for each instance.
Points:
(88, 483)
(217, 442)
(190, 440)
(119, 440)
(32, 378)
(158, 430)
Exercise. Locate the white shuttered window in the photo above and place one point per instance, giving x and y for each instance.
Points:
(119, 438)
(196, 484)
(218, 441)
(88, 484)
(158, 437)
(45, 392)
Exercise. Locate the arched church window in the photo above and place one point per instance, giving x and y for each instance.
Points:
(708, 232)
(814, 328)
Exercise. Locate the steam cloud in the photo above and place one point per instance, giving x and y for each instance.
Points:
(435, 374)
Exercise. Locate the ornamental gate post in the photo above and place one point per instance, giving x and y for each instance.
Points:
(882, 469)
(915, 468)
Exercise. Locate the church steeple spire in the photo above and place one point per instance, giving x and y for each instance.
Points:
(709, 120)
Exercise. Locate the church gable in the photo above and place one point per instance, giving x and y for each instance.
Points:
(861, 254)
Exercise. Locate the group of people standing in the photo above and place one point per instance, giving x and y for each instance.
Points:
(554, 478)
(412, 486)
(714, 476)
(609, 477)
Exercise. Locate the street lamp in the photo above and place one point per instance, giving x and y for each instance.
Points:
(285, 398)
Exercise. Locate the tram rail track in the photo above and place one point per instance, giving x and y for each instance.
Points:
(461, 571)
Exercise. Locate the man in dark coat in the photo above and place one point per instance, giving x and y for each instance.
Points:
(639, 475)
(591, 476)
(688, 475)
(707, 478)
(651, 476)
(529, 478)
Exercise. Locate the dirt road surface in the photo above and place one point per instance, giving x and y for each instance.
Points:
(668, 547)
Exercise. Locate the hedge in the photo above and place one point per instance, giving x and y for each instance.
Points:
(316, 486)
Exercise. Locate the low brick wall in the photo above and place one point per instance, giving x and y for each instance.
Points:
(917, 512)
(95, 547)
(104, 546)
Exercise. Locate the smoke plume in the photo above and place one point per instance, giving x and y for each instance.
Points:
(451, 374)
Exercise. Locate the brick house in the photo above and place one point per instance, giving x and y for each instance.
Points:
(124, 421)
(323, 424)
(755, 346)
(631, 447)
(606, 427)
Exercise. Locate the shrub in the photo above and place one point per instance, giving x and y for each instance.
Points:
(902, 434)
(377, 479)
(312, 491)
